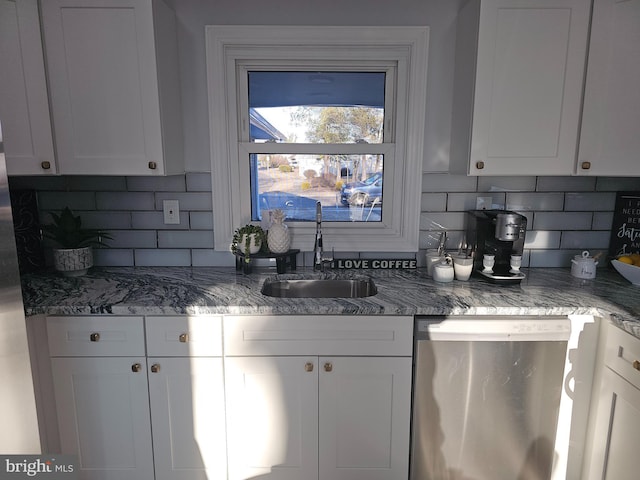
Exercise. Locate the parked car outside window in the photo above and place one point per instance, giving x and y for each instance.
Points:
(364, 192)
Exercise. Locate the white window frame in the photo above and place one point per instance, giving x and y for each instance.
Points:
(230, 49)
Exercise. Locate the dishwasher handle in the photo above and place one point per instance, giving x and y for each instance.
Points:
(493, 328)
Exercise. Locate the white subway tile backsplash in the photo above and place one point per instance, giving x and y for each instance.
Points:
(212, 258)
(155, 221)
(602, 220)
(542, 239)
(506, 184)
(198, 182)
(133, 239)
(589, 202)
(171, 183)
(534, 201)
(618, 184)
(103, 220)
(442, 221)
(113, 257)
(551, 258)
(565, 214)
(433, 202)
(124, 201)
(562, 220)
(185, 239)
(566, 184)
(461, 202)
(444, 182)
(96, 183)
(201, 220)
(582, 240)
(188, 201)
(162, 257)
(60, 200)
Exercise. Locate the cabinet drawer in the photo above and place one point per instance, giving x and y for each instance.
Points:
(318, 335)
(623, 354)
(184, 336)
(95, 336)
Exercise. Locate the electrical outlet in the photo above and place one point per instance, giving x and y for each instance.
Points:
(171, 209)
(484, 203)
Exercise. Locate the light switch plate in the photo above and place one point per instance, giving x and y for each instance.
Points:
(171, 210)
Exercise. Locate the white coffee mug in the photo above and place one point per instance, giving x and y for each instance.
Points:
(488, 261)
(462, 267)
(515, 263)
(432, 258)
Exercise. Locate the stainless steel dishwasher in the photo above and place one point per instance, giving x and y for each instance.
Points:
(486, 397)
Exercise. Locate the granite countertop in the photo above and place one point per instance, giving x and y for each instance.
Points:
(202, 290)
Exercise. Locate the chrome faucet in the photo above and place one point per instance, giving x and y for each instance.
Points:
(317, 247)
(318, 251)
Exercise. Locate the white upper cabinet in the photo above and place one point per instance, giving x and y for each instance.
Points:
(24, 106)
(610, 136)
(518, 86)
(114, 86)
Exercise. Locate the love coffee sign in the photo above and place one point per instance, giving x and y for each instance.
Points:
(625, 229)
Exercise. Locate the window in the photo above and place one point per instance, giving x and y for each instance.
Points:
(330, 114)
(326, 108)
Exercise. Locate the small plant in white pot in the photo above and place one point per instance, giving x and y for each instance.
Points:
(248, 240)
(72, 253)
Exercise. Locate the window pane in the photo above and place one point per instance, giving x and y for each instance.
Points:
(316, 107)
(349, 187)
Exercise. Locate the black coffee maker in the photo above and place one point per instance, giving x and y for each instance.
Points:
(499, 233)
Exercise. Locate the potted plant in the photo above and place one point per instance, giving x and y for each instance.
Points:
(248, 240)
(72, 253)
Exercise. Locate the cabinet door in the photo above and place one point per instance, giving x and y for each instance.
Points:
(364, 412)
(187, 414)
(101, 60)
(615, 455)
(528, 90)
(24, 105)
(103, 416)
(610, 136)
(272, 417)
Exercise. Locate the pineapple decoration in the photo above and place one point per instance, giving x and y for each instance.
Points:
(278, 237)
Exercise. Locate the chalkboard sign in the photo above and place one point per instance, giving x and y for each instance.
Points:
(625, 230)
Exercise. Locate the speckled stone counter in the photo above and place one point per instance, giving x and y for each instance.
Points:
(183, 290)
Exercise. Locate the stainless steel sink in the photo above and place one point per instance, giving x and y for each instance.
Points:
(320, 288)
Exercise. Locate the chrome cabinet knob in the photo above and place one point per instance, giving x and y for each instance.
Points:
(328, 367)
(183, 338)
(155, 368)
(308, 367)
(136, 368)
(94, 337)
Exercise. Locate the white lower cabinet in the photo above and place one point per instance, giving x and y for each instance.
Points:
(316, 416)
(363, 414)
(102, 395)
(103, 416)
(293, 397)
(272, 410)
(613, 452)
(187, 415)
(159, 417)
